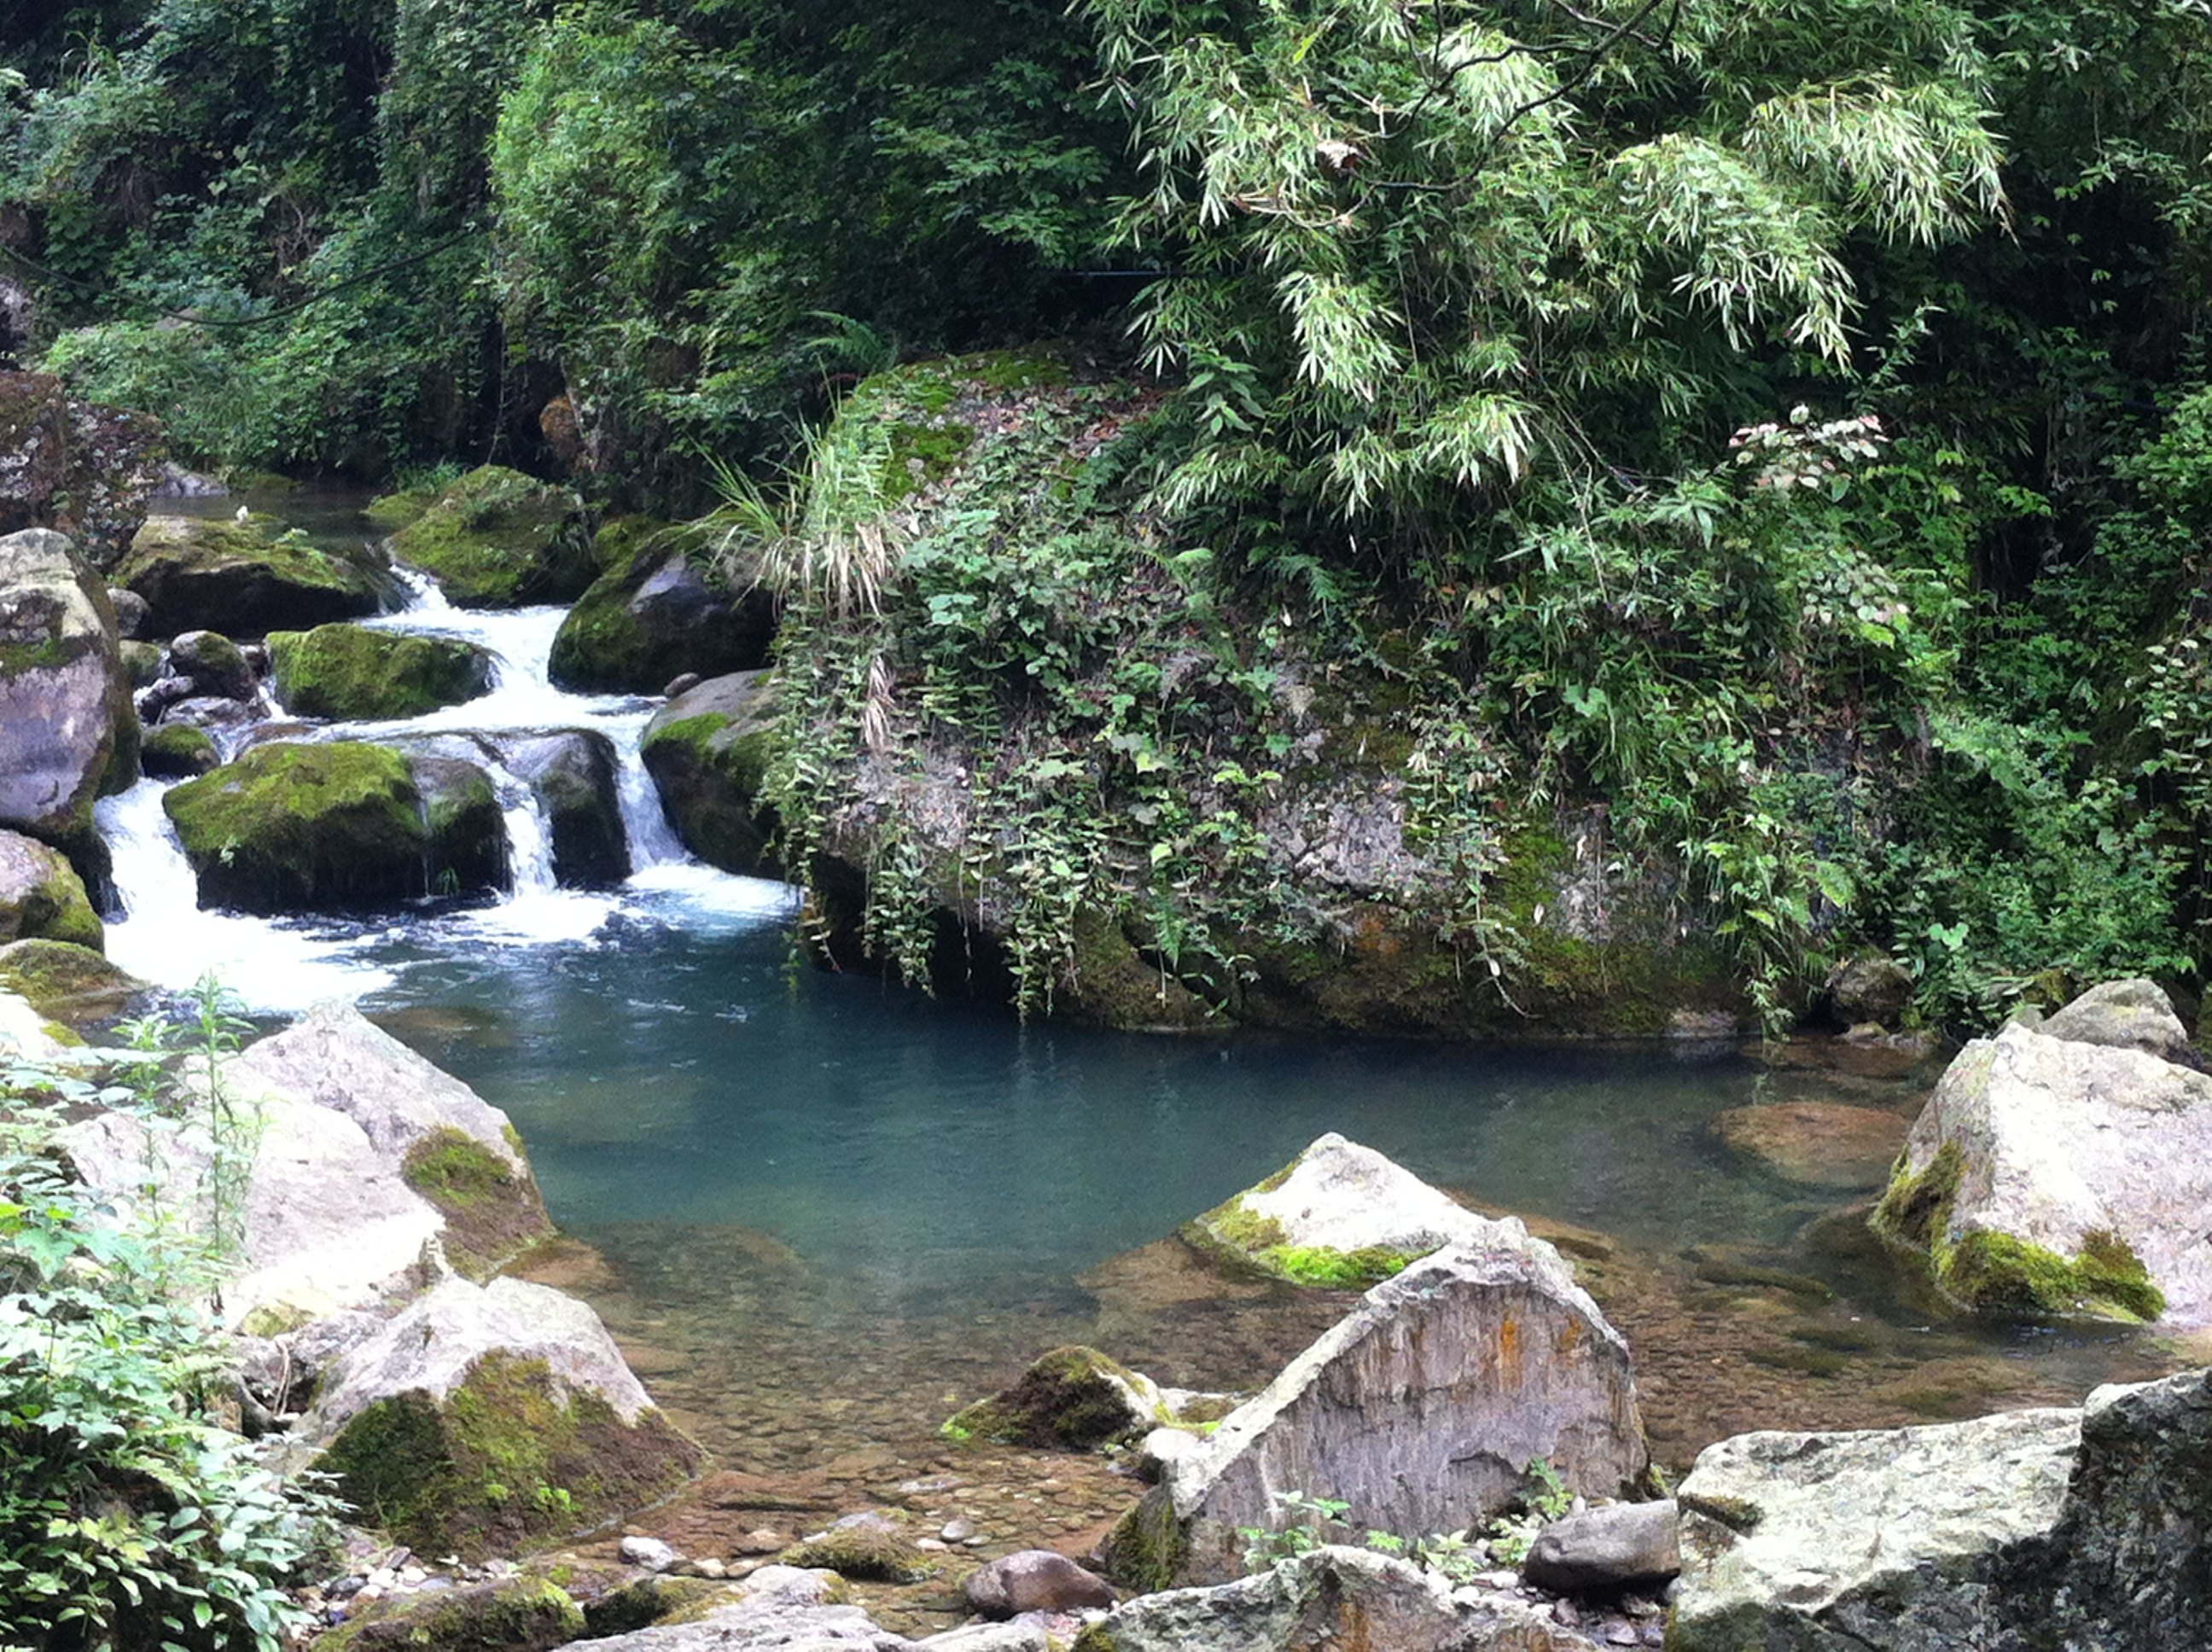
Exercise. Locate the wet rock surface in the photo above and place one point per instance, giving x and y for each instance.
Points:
(707, 750)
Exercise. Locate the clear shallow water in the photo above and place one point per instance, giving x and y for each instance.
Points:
(828, 1209)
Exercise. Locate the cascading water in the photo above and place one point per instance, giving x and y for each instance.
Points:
(163, 936)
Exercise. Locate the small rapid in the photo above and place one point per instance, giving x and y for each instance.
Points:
(284, 964)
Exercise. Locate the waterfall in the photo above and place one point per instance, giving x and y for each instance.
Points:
(162, 935)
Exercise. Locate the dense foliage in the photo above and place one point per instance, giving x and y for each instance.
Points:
(1787, 424)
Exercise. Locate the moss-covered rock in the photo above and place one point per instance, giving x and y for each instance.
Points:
(496, 538)
(862, 1552)
(466, 847)
(69, 733)
(179, 751)
(576, 777)
(244, 578)
(356, 672)
(515, 1614)
(290, 828)
(658, 609)
(67, 983)
(1072, 1398)
(707, 751)
(41, 896)
(492, 1213)
(142, 663)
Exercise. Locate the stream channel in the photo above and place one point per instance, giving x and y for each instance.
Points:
(823, 1211)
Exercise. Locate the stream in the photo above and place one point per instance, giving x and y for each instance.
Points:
(823, 1211)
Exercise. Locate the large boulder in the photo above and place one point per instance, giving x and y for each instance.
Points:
(360, 1154)
(467, 846)
(1421, 1410)
(1341, 1215)
(358, 673)
(498, 540)
(707, 750)
(574, 774)
(243, 578)
(41, 896)
(485, 1418)
(68, 732)
(77, 467)
(2124, 1014)
(1897, 1538)
(2047, 1177)
(654, 613)
(1332, 1597)
(289, 828)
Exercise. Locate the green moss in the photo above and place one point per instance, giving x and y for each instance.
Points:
(50, 904)
(1996, 1274)
(288, 827)
(864, 1553)
(1235, 1233)
(507, 1462)
(516, 1614)
(645, 1601)
(496, 538)
(492, 1214)
(169, 547)
(1073, 1398)
(69, 983)
(1147, 1547)
(355, 672)
(179, 749)
(268, 1321)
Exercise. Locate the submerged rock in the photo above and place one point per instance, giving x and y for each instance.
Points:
(1341, 1215)
(1421, 1409)
(498, 540)
(41, 896)
(244, 579)
(2050, 1177)
(652, 615)
(707, 750)
(485, 1418)
(355, 672)
(69, 733)
(1817, 1143)
(1897, 1538)
(1332, 1597)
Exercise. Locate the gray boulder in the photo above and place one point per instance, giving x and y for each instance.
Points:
(709, 750)
(658, 610)
(214, 664)
(41, 896)
(1035, 1580)
(574, 774)
(1330, 1598)
(2126, 1015)
(454, 1423)
(1870, 988)
(1421, 1409)
(1603, 1550)
(69, 733)
(1343, 1215)
(2047, 1176)
(1897, 1538)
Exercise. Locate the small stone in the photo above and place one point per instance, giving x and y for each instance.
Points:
(1620, 1633)
(932, 1546)
(761, 1540)
(1035, 1580)
(1564, 1613)
(649, 1552)
(957, 1531)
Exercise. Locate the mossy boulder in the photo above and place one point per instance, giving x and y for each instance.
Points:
(289, 827)
(492, 1208)
(1340, 1216)
(213, 664)
(142, 663)
(69, 733)
(497, 538)
(493, 1419)
(41, 896)
(658, 609)
(707, 751)
(64, 982)
(466, 849)
(1072, 1398)
(514, 1614)
(2052, 1178)
(358, 673)
(179, 751)
(244, 578)
(576, 776)
(861, 1552)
